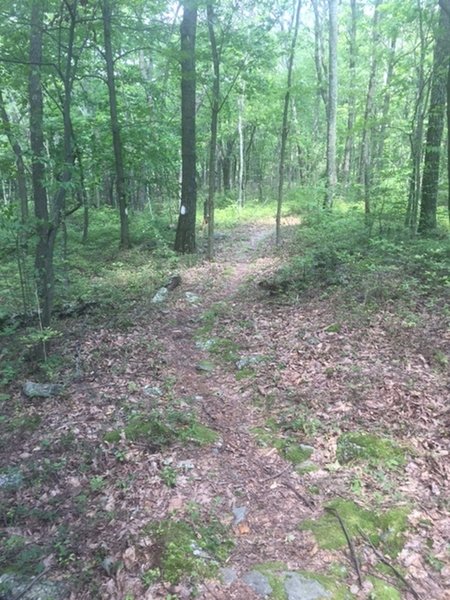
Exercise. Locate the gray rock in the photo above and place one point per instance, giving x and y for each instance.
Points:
(248, 361)
(42, 390)
(306, 448)
(160, 296)
(152, 391)
(192, 298)
(205, 366)
(239, 513)
(299, 587)
(259, 583)
(186, 465)
(14, 586)
(12, 479)
(229, 575)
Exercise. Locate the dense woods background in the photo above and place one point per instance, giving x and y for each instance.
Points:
(137, 108)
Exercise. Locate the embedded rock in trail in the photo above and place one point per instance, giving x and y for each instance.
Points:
(160, 296)
(11, 479)
(301, 588)
(152, 391)
(259, 583)
(192, 298)
(12, 586)
(229, 575)
(42, 390)
(239, 513)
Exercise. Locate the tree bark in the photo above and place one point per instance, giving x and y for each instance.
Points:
(20, 164)
(122, 197)
(284, 126)
(215, 108)
(43, 259)
(332, 106)
(347, 163)
(185, 236)
(435, 128)
(365, 165)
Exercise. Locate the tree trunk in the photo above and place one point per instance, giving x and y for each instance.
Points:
(365, 165)
(122, 199)
(435, 128)
(332, 106)
(347, 163)
(185, 236)
(43, 258)
(241, 174)
(417, 131)
(284, 126)
(20, 165)
(215, 108)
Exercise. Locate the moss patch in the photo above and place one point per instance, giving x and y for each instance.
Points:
(277, 573)
(384, 530)
(383, 591)
(159, 429)
(352, 447)
(192, 550)
(288, 445)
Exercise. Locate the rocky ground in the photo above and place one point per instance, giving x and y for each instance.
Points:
(312, 460)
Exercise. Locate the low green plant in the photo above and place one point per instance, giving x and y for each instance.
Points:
(191, 549)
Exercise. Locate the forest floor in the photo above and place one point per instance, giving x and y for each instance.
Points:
(324, 453)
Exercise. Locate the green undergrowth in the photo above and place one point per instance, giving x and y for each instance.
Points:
(371, 264)
(160, 428)
(385, 530)
(190, 549)
(288, 444)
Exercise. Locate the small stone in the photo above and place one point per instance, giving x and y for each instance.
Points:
(239, 513)
(42, 390)
(229, 575)
(160, 296)
(11, 479)
(301, 588)
(248, 361)
(259, 583)
(192, 298)
(152, 391)
(185, 465)
(205, 366)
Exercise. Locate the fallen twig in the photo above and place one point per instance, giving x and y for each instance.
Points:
(308, 503)
(350, 543)
(276, 475)
(385, 561)
(31, 584)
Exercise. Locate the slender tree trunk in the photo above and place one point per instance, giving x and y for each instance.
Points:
(417, 131)
(215, 108)
(241, 174)
(185, 237)
(332, 106)
(365, 165)
(318, 56)
(122, 198)
(284, 126)
(347, 163)
(435, 128)
(445, 6)
(20, 165)
(379, 152)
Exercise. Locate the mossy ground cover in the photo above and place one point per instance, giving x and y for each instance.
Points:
(277, 572)
(360, 446)
(385, 529)
(190, 549)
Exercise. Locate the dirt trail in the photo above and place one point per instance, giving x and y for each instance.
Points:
(240, 359)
